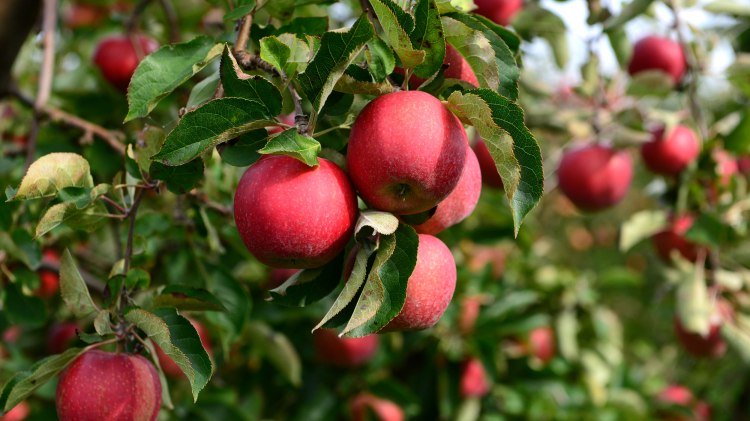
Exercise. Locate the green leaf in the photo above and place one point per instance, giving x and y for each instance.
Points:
(234, 298)
(20, 245)
(739, 338)
(428, 37)
(508, 71)
(618, 39)
(102, 323)
(52, 173)
(188, 299)
(180, 179)
(150, 140)
(477, 50)
(23, 310)
(380, 222)
(384, 292)
(159, 73)
(515, 150)
(305, 26)
(630, 11)
(279, 351)
(397, 25)
(137, 278)
(73, 289)
(254, 88)
(240, 11)
(738, 140)
(243, 151)
(337, 50)
(88, 219)
(203, 91)
(177, 337)
(380, 59)
(693, 303)
(350, 85)
(215, 122)
(511, 39)
(309, 285)
(729, 7)
(708, 229)
(640, 226)
(288, 53)
(24, 384)
(450, 6)
(291, 143)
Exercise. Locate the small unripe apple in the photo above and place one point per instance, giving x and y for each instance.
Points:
(429, 289)
(499, 11)
(406, 152)
(278, 277)
(17, 413)
(84, 15)
(541, 343)
(117, 58)
(168, 366)
(61, 336)
(286, 119)
(657, 53)
(460, 203)
(474, 382)
(49, 280)
(670, 153)
(294, 216)
(490, 176)
(712, 343)
(470, 307)
(595, 177)
(673, 238)
(365, 405)
(101, 385)
(458, 68)
(344, 352)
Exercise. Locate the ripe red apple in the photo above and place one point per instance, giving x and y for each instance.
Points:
(406, 152)
(116, 57)
(278, 277)
(294, 216)
(49, 280)
(168, 366)
(490, 176)
(101, 385)
(499, 11)
(344, 352)
(430, 287)
(460, 203)
(470, 307)
(84, 15)
(670, 154)
(382, 409)
(18, 413)
(682, 396)
(474, 382)
(710, 345)
(673, 238)
(595, 177)
(541, 343)
(458, 68)
(286, 119)
(61, 336)
(657, 53)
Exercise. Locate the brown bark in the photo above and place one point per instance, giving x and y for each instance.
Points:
(17, 18)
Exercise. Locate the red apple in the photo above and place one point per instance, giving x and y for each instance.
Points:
(406, 152)
(344, 352)
(490, 176)
(84, 15)
(294, 216)
(458, 68)
(61, 336)
(499, 11)
(712, 343)
(168, 366)
(286, 119)
(460, 203)
(595, 177)
(101, 385)
(726, 166)
(117, 57)
(541, 343)
(673, 238)
(49, 280)
(18, 413)
(474, 382)
(743, 164)
(682, 396)
(278, 277)
(430, 287)
(470, 307)
(657, 53)
(383, 409)
(670, 154)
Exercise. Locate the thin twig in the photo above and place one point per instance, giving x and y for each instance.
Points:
(171, 16)
(135, 16)
(113, 204)
(131, 229)
(244, 34)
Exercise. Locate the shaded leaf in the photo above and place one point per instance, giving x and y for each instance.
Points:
(188, 299)
(309, 285)
(73, 289)
(53, 172)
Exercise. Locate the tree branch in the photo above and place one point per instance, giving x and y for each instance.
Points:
(244, 34)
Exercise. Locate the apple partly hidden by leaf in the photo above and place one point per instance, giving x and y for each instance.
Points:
(293, 216)
(457, 68)
(406, 152)
(61, 336)
(168, 365)
(670, 153)
(101, 385)
(19, 412)
(49, 280)
(681, 396)
(595, 177)
(658, 53)
(364, 405)
(286, 119)
(499, 11)
(344, 352)
(490, 176)
(277, 277)
(673, 238)
(541, 344)
(117, 58)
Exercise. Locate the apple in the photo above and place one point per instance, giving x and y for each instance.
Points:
(344, 352)
(102, 385)
(49, 280)
(460, 203)
(595, 177)
(541, 343)
(710, 345)
(84, 15)
(743, 165)
(406, 152)
(168, 366)
(294, 216)
(61, 336)
(658, 53)
(429, 289)
(383, 409)
(457, 68)
(117, 58)
(670, 153)
(474, 382)
(17, 413)
(673, 238)
(726, 166)
(278, 277)
(286, 119)
(467, 319)
(677, 395)
(490, 176)
(499, 11)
